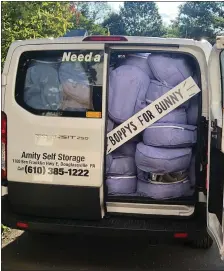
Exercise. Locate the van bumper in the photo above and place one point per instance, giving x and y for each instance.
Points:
(158, 228)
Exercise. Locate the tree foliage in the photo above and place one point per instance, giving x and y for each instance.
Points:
(93, 28)
(28, 20)
(94, 11)
(172, 30)
(136, 19)
(201, 20)
(115, 24)
(142, 19)
(86, 17)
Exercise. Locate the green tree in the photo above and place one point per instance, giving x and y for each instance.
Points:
(96, 12)
(199, 20)
(84, 19)
(115, 24)
(90, 26)
(172, 30)
(29, 20)
(142, 19)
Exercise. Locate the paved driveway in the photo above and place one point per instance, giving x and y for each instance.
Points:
(29, 252)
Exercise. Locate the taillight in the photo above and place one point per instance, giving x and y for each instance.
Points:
(180, 235)
(4, 146)
(105, 38)
(22, 225)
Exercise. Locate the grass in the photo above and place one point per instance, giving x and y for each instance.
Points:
(5, 229)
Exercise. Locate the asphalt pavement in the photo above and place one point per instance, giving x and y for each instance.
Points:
(25, 251)
(44, 252)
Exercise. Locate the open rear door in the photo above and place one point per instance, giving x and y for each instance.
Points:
(216, 149)
(56, 145)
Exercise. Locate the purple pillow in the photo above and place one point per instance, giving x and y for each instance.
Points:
(170, 135)
(110, 125)
(140, 61)
(192, 111)
(121, 165)
(118, 185)
(127, 149)
(162, 160)
(126, 82)
(169, 69)
(156, 90)
(163, 191)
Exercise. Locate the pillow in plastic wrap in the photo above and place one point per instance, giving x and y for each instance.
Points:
(127, 89)
(169, 69)
(42, 87)
(192, 111)
(136, 138)
(118, 185)
(192, 176)
(162, 160)
(192, 173)
(170, 135)
(127, 149)
(140, 61)
(76, 86)
(122, 165)
(109, 160)
(157, 89)
(162, 191)
(178, 116)
(110, 125)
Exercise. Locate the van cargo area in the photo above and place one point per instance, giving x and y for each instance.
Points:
(162, 164)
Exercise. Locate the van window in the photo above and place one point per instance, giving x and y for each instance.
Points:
(66, 83)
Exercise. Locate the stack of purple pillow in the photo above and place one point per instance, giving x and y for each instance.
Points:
(164, 156)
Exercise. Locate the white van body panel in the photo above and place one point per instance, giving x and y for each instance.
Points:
(215, 84)
(92, 149)
(216, 113)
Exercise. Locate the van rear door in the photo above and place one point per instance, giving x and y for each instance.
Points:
(216, 149)
(55, 107)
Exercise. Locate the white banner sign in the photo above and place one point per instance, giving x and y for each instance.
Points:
(152, 113)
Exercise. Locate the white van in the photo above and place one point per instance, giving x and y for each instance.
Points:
(54, 143)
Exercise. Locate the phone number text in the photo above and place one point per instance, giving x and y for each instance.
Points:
(56, 171)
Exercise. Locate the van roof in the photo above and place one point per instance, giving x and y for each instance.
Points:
(130, 39)
(203, 44)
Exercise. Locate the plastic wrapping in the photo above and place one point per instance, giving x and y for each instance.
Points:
(121, 166)
(76, 87)
(162, 160)
(42, 86)
(169, 69)
(121, 185)
(140, 61)
(170, 135)
(126, 82)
